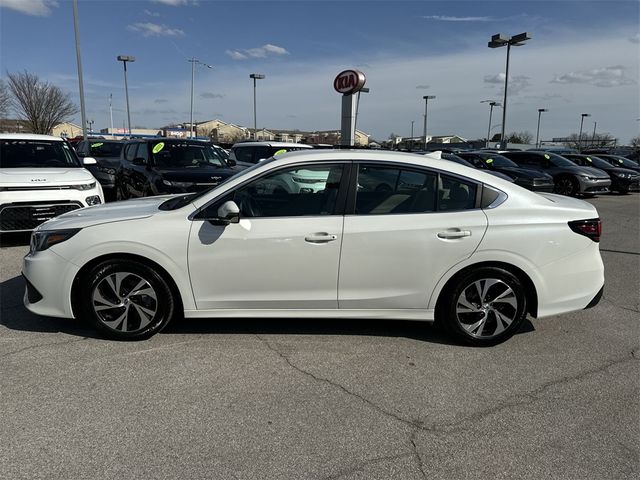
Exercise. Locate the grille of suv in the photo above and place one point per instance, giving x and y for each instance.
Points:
(22, 217)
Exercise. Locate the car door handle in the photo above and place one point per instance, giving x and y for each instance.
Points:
(321, 237)
(454, 233)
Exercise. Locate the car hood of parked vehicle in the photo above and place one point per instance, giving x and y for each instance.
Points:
(524, 173)
(44, 177)
(107, 213)
(590, 171)
(204, 174)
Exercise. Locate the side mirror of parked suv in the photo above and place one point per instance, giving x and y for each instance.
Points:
(231, 162)
(228, 212)
(89, 161)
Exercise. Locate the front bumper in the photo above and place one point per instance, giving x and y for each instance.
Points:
(601, 185)
(629, 184)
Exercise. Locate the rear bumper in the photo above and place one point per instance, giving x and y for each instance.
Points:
(596, 299)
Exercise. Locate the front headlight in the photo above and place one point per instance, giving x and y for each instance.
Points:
(43, 239)
(86, 186)
(587, 177)
(622, 175)
(177, 184)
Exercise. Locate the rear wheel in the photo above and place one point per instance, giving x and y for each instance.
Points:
(483, 307)
(566, 186)
(127, 300)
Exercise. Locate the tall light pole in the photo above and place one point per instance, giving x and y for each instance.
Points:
(491, 105)
(79, 61)
(412, 122)
(90, 123)
(501, 40)
(124, 59)
(582, 115)
(111, 111)
(194, 61)
(255, 76)
(426, 103)
(593, 137)
(540, 110)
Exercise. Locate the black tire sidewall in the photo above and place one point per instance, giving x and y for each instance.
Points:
(448, 306)
(165, 298)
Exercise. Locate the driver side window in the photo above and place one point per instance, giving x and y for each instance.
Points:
(292, 192)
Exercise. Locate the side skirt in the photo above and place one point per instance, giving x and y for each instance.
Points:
(413, 314)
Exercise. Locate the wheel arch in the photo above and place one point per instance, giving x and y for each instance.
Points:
(75, 286)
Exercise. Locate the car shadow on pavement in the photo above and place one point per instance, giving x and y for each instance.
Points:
(14, 316)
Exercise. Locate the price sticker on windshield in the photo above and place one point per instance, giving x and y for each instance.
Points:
(158, 147)
(96, 145)
(489, 160)
(589, 159)
(282, 150)
(547, 156)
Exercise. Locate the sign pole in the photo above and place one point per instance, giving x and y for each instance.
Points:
(349, 83)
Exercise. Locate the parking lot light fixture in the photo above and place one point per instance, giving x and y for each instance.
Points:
(426, 104)
(255, 76)
(194, 61)
(491, 104)
(500, 40)
(540, 110)
(124, 59)
(582, 115)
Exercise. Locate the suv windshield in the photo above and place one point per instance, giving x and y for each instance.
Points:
(185, 155)
(105, 149)
(597, 162)
(497, 160)
(622, 161)
(36, 154)
(558, 161)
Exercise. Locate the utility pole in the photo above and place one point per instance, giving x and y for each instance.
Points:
(79, 61)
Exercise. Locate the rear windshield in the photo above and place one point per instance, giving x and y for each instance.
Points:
(185, 155)
(36, 154)
(558, 161)
(497, 160)
(105, 149)
(622, 161)
(596, 162)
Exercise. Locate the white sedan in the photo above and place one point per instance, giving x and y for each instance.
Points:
(388, 236)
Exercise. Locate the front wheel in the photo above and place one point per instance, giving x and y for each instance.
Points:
(483, 307)
(566, 186)
(127, 300)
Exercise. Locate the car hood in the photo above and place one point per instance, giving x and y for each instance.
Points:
(616, 170)
(197, 175)
(44, 177)
(578, 170)
(107, 213)
(525, 173)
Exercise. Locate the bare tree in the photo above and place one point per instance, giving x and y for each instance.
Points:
(520, 137)
(635, 142)
(40, 104)
(5, 99)
(590, 141)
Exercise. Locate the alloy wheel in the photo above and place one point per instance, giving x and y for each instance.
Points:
(125, 302)
(486, 308)
(564, 186)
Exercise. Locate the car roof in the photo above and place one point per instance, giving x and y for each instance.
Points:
(29, 136)
(271, 144)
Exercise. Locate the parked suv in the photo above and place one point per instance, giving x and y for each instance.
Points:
(164, 166)
(530, 179)
(107, 155)
(247, 154)
(619, 161)
(569, 178)
(40, 178)
(623, 180)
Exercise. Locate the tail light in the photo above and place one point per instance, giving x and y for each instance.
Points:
(591, 228)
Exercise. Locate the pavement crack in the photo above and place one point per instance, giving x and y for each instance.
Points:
(611, 302)
(416, 454)
(33, 347)
(367, 462)
(410, 423)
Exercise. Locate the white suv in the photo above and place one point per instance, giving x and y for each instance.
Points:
(40, 178)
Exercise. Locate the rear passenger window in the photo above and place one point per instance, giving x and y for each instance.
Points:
(243, 155)
(130, 151)
(455, 194)
(384, 190)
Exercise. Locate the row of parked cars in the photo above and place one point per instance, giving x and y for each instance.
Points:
(43, 176)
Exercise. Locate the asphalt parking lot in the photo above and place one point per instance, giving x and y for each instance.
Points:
(312, 399)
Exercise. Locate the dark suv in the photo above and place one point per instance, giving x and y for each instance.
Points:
(569, 178)
(529, 179)
(623, 180)
(107, 155)
(164, 166)
(247, 154)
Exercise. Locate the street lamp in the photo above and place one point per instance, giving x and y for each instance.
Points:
(540, 110)
(255, 76)
(124, 59)
(426, 103)
(194, 61)
(500, 40)
(491, 104)
(582, 115)
(79, 62)
(90, 123)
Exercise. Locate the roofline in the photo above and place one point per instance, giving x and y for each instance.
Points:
(29, 136)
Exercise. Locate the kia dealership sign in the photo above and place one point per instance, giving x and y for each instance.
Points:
(349, 81)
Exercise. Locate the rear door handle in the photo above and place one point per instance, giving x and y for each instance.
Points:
(454, 233)
(320, 237)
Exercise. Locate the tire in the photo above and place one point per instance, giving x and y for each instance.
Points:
(127, 300)
(119, 193)
(483, 307)
(566, 186)
(623, 190)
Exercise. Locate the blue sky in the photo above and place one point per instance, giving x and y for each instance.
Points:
(583, 58)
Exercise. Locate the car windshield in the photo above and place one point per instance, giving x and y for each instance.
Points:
(597, 162)
(558, 161)
(183, 200)
(497, 160)
(454, 158)
(105, 149)
(622, 161)
(185, 155)
(36, 154)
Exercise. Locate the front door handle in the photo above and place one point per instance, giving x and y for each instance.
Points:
(454, 233)
(320, 237)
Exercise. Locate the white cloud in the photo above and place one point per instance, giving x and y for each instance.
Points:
(154, 30)
(422, 87)
(40, 8)
(635, 38)
(267, 50)
(445, 18)
(151, 14)
(517, 83)
(210, 95)
(614, 76)
(176, 3)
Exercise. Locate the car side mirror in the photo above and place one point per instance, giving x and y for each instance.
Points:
(89, 161)
(228, 212)
(231, 162)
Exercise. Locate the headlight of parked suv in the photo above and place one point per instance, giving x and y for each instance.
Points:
(43, 239)
(177, 184)
(587, 177)
(622, 175)
(86, 186)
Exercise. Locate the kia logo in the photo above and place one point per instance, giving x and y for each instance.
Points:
(216, 178)
(349, 81)
(38, 179)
